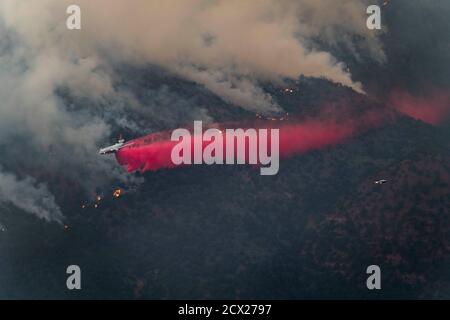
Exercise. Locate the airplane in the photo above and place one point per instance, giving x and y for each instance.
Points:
(380, 181)
(114, 148)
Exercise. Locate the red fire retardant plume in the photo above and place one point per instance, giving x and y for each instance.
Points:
(434, 108)
(153, 152)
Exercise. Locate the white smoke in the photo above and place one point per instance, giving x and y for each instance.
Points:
(29, 196)
(225, 45)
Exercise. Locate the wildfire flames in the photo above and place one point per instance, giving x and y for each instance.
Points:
(117, 193)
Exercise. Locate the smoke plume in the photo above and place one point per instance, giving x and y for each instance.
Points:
(29, 196)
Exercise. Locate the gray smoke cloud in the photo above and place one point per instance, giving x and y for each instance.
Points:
(225, 45)
(229, 47)
(29, 196)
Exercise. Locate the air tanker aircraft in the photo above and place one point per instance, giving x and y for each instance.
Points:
(114, 148)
